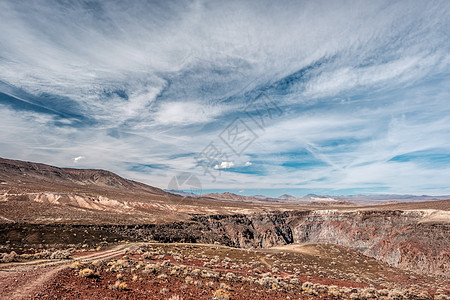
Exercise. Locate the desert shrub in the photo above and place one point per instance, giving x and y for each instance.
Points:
(122, 263)
(76, 265)
(210, 274)
(119, 265)
(25, 256)
(309, 288)
(320, 288)
(119, 285)
(166, 263)
(42, 255)
(224, 286)
(333, 291)
(395, 295)
(59, 254)
(248, 279)
(230, 276)
(221, 294)
(174, 272)
(423, 295)
(123, 286)
(87, 273)
(11, 257)
(115, 285)
(198, 283)
(151, 269)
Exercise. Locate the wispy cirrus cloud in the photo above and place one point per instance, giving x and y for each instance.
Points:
(363, 88)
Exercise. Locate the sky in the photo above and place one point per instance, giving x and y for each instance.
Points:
(255, 97)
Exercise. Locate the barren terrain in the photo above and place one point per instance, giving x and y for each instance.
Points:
(70, 233)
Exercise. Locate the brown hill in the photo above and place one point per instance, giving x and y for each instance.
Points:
(19, 172)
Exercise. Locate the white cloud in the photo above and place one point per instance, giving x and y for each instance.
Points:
(186, 113)
(224, 165)
(78, 158)
(402, 70)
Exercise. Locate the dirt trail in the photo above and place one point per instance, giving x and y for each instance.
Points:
(305, 248)
(23, 280)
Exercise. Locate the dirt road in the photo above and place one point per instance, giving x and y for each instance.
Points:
(23, 280)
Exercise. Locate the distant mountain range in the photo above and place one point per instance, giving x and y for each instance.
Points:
(326, 199)
(314, 198)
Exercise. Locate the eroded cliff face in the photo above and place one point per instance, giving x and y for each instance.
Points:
(251, 231)
(417, 240)
(406, 239)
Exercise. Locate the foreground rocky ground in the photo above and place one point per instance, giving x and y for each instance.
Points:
(22, 275)
(200, 271)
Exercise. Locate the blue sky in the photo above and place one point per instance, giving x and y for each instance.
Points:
(322, 97)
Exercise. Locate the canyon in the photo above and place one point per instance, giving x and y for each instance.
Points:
(415, 240)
